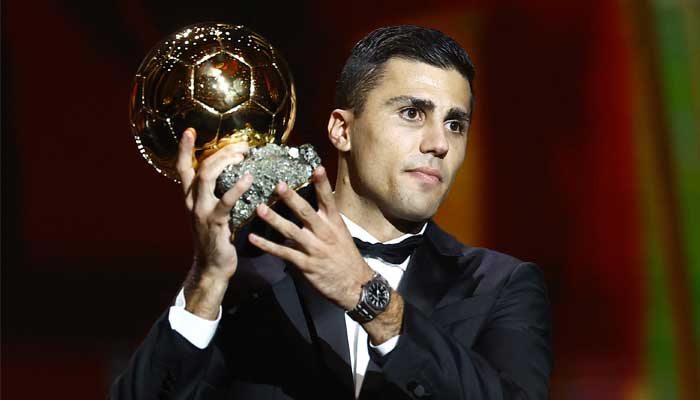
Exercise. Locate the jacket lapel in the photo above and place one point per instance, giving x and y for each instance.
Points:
(433, 269)
(264, 271)
(331, 336)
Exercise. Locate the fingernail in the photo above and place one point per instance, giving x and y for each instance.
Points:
(262, 209)
(248, 176)
(281, 187)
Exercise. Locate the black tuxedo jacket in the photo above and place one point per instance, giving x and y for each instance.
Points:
(476, 326)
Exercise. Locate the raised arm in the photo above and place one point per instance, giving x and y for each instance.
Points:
(168, 362)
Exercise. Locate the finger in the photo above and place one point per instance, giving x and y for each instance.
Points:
(284, 226)
(222, 211)
(230, 154)
(286, 253)
(301, 208)
(211, 168)
(226, 151)
(324, 193)
(183, 163)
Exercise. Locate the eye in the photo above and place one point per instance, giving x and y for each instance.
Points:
(410, 113)
(456, 126)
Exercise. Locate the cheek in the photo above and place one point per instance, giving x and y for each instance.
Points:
(383, 154)
(456, 158)
(372, 166)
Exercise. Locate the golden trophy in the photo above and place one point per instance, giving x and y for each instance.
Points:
(231, 85)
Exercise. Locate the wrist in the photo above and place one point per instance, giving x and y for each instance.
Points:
(355, 291)
(204, 294)
(387, 324)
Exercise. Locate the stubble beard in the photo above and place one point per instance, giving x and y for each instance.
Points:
(407, 207)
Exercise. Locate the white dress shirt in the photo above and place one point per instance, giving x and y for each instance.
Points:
(357, 336)
(200, 331)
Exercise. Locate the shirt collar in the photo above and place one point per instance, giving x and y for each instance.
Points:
(359, 232)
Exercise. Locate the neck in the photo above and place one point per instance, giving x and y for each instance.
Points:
(367, 214)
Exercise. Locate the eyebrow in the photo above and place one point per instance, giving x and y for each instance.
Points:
(455, 113)
(417, 102)
(458, 114)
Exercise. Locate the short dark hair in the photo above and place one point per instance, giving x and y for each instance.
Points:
(365, 66)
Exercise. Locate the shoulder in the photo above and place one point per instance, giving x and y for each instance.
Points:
(447, 245)
(491, 268)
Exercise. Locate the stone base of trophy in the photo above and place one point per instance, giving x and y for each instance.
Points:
(268, 165)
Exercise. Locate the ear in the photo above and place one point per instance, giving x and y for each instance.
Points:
(339, 125)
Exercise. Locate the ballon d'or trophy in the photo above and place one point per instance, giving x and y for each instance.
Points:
(231, 85)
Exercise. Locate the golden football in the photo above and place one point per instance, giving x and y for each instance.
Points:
(225, 81)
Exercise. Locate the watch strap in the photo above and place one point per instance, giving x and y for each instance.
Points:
(361, 313)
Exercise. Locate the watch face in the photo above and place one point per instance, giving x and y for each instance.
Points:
(378, 295)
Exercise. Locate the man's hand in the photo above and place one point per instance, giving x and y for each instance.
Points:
(326, 254)
(215, 255)
(323, 249)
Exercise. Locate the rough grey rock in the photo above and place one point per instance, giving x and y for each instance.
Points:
(269, 165)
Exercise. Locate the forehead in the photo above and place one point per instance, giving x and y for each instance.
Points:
(447, 88)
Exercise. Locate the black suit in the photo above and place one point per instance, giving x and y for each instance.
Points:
(476, 326)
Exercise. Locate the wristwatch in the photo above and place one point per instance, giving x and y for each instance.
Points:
(374, 299)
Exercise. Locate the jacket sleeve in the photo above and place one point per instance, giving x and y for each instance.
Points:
(509, 359)
(165, 366)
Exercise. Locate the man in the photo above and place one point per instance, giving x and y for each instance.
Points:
(309, 316)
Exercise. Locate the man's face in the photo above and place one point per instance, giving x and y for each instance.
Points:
(410, 139)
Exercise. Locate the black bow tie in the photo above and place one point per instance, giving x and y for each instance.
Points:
(393, 253)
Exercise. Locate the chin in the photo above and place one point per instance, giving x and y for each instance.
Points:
(411, 205)
(415, 212)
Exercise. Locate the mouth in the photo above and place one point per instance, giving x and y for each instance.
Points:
(426, 174)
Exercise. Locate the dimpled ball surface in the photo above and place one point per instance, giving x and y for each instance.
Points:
(225, 81)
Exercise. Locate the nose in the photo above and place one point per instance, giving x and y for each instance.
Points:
(434, 140)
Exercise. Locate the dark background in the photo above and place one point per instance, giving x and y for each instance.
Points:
(95, 244)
